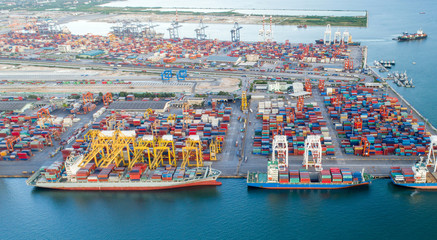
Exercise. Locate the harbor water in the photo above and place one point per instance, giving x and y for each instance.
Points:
(231, 211)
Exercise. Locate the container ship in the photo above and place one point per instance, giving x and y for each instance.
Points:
(279, 176)
(408, 37)
(417, 176)
(334, 178)
(140, 178)
(421, 175)
(339, 38)
(119, 160)
(320, 41)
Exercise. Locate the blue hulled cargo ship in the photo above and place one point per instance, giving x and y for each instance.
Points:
(279, 176)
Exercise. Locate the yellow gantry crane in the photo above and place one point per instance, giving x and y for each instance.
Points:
(215, 147)
(143, 150)
(186, 114)
(99, 148)
(186, 120)
(243, 101)
(171, 119)
(219, 143)
(164, 152)
(121, 149)
(212, 151)
(192, 152)
(147, 113)
(185, 107)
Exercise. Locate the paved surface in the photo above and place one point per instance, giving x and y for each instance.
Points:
(137, 105)
(13, 105)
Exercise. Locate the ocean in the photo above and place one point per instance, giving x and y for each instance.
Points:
(232, 211)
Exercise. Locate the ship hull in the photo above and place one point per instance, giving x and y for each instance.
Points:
(127, 186)
(306, 186)
(402, 39)
(424, 186)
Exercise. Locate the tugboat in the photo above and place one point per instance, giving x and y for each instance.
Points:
(408, 37)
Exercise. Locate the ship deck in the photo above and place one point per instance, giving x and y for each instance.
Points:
(38, 179)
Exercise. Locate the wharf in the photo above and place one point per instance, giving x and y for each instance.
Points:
(234, 162)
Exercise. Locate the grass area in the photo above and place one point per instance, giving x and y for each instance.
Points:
(279, 20)
(321, 21)
(94, 7)
(58, 5)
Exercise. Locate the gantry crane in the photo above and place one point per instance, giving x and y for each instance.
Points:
(243, 101)
(337, 37)
(383, 112)
(346, 38)
(235, 32)
(164, 152)
(348, 64)
(192, 152)
(366, 146)
(110, 122)
(108, 147)
(327, 35)
(308, 86)
(120, 149)
(215, 147)
(87, 98)
(300, 103)
(171, 118)
(313, 145)
(147, 113)
(44, 117)
(431, 159)
(173, 31)
(185, 111)
(212, 150)
(200, 31)
(291, 117)
(335, 101)
(10, 142)
(143, 150)
(280, 151)
(107, 99)
(219, 143)
(186, 107)
(278, 130)
(100, 146)
(321, 85)
(358, 123)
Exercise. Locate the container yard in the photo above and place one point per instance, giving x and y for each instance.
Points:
(313, 94)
